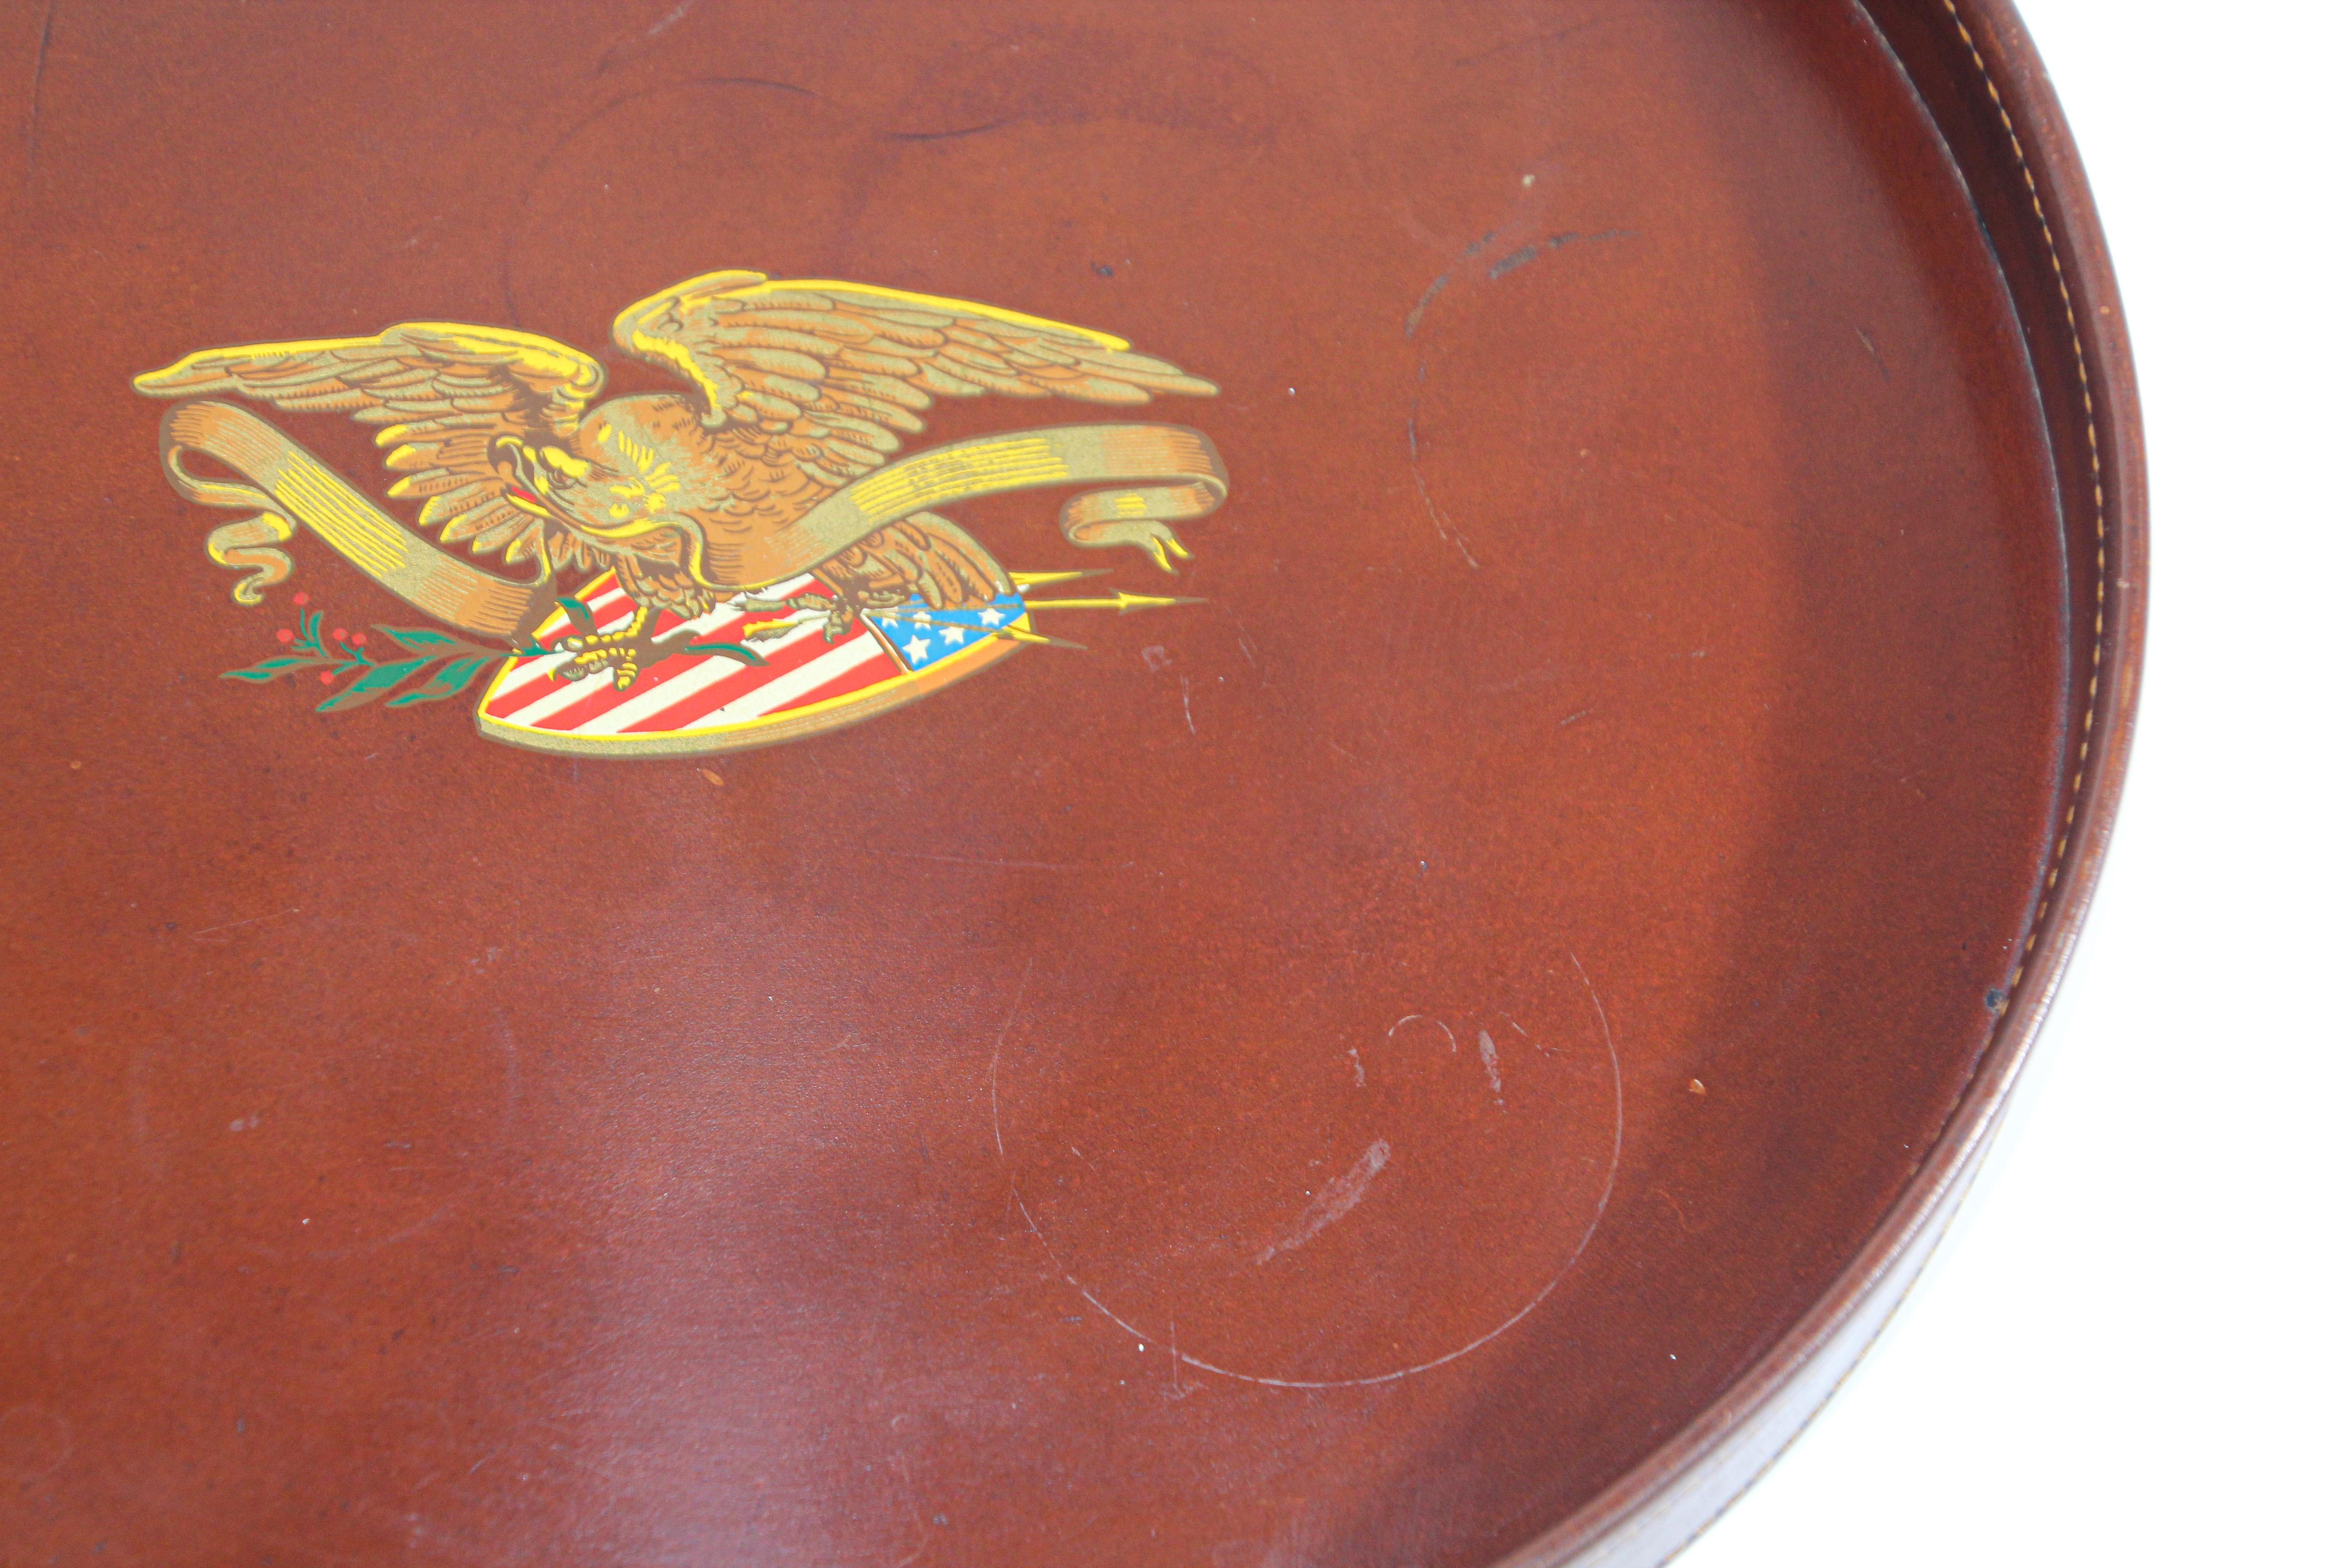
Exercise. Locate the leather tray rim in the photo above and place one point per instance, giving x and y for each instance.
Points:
(1660, 1505)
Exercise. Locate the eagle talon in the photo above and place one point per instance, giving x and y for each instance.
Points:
(841, 610)
(840, 614)
(625, 653)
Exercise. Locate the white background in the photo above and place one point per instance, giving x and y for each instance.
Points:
(2132, 1348)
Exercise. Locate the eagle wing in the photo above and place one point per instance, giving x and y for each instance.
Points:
(832, 373)
(446, 394)
(920, 553)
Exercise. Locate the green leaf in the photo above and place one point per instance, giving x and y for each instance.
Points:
(734, 650)
(270, 668)
(425, 639)
(378, 679)
(452, 679)
(311, 625)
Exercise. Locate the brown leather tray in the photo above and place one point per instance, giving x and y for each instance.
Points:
(1434, 1041)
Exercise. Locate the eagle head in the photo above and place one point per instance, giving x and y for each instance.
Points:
(614, 481)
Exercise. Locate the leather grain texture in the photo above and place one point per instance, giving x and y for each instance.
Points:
(1337, 1073)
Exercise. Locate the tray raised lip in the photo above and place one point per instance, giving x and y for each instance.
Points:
(1660, 1506)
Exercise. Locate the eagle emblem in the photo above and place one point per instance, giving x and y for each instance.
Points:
(740, 561)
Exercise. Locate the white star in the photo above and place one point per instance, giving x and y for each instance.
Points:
(952, 636)
(918, 648)
(991, 617)
(924, 616)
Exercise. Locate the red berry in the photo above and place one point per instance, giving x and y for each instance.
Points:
(301, 598)
(359, 639)
(326, 678)
(285, 636)
(339, 634)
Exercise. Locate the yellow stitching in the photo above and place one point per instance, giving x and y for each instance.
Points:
(2098, 478)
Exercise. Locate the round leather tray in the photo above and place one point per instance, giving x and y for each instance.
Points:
(1435, 1039)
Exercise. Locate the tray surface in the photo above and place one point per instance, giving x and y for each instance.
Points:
(1348, 1066)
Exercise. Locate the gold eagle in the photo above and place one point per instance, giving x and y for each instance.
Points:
(800, 387)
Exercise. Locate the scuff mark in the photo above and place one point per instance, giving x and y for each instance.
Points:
(1438, 520)
(1428, 295)
(995, 1118)
(1510, 46)
(1680, 1218)
(1184, 684)
(1871, 347)
(1332, 1203)
(956, 134)
(672, 20)
(1518, 258)
(530, 184)
(915, 1508)
(1179, 1387)
(1527, 253)
(232, 925)
(629, 46)
(1541, 1049)
(1451, 1044)
(40, 68)
(1543, 677)
(1493, 1059)
(1002, 865)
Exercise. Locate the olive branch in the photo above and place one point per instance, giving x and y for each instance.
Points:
(334, 654)
(437, 664)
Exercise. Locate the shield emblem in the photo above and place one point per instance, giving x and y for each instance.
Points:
(693, 703)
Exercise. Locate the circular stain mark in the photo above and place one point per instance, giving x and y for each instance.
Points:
(34, 1442)
(1284, 1220)
(666, 183)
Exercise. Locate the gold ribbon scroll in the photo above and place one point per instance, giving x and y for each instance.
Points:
(1159, 474)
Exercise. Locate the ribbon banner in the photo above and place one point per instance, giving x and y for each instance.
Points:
(1154, 474)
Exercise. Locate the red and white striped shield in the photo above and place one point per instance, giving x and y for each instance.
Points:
(693, 703)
